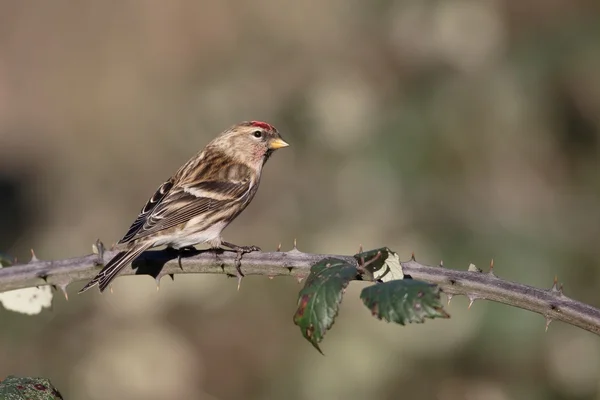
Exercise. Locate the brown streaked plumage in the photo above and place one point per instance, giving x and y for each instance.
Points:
(201, 198)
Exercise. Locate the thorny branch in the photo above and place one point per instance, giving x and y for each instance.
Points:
(551, 303)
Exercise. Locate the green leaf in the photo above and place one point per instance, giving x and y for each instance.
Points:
(383, 264)
(404, 301)
(5, 260)
(319, 300)
(15, 388)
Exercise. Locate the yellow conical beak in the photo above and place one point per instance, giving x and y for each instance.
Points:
(277, 143)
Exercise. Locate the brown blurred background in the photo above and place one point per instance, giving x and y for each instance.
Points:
(461, 130)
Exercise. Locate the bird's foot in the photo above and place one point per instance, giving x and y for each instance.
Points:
(241, 250)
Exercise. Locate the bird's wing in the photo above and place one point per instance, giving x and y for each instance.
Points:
(178, 200)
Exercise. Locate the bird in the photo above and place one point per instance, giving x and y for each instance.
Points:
(205, 194)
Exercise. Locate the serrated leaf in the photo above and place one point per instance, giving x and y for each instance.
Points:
(15, 388)
(319, 300)
(404, 301)
(385, 267)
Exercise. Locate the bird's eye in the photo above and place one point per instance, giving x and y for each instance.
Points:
(257, 134)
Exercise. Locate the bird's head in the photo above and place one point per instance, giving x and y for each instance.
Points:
(250, 142)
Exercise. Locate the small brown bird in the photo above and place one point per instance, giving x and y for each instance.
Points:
(201, 199)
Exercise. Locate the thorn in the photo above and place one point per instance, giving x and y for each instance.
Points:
(238, 269)
(556, 288)
(299, 278)
(33, 257)
(491, 271)
(548, 320)
(450, 296)
(63, 289)
(412, 257)
(279, 247)
(112, 247)
(271, 277)
(172, 277)
(361, 261)
(54, 287)
(360, 248)
(111, 289)
(295, 248)
(157, 279)
(441, 263)
(471, 300)
(98, 249)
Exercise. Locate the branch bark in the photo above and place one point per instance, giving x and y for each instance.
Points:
(550, 303)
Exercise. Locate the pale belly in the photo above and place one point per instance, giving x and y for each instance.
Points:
(188, 237)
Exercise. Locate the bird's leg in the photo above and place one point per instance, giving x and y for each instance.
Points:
(181, 252)
(241, 250)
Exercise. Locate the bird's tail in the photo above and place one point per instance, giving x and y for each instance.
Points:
(116, 264)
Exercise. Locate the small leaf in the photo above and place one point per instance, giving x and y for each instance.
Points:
(28, 388)
(386, 267)
(5, 260)
(28, 300)
(404, 301)
(473, 268)
(319, 300)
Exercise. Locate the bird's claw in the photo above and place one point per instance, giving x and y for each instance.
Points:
(240, 276)
(182, 251)
(238, 268)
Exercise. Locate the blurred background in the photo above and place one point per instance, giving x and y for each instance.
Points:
(461, 130)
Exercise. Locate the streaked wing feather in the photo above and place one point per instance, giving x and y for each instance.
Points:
(176, 212)
(186, 202)
(149, 207)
